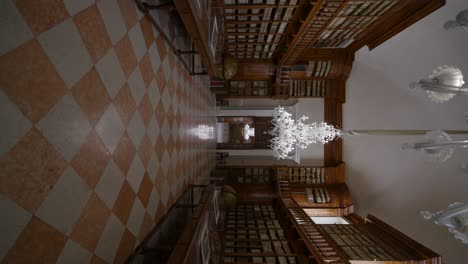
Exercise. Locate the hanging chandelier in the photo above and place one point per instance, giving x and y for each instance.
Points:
(288, 133)
(443, 84)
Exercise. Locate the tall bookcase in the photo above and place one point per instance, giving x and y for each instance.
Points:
(352, 20)
(253, 234)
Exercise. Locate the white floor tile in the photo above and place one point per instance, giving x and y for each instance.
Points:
(153, 202)
(137, 85)
(110, 128)
(136, 217)
(164, 195)
(67, 52)
(73, 253)
(166, 100)
(166, 67)
(139, 13)
(136, 129)
(110, 239)
(110, 12)
(166, 162)
(109, 185)
(135, 173)
(75, 6)
(175, 76)
(153, 166)
(174, 158)
(165, 130)
(14, 124)
(111, 73)
(174, 187)
(65, 126)
(13, 28)
(175, 103)
(154, 57)
(153, 129)
(14, 220)
(63, 206)
(175, 130)
(137, 40)
(153, 92)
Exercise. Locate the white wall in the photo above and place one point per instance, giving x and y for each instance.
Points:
(389, 182)
(314, 109)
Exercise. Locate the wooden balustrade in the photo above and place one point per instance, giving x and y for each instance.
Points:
(316, 242)
(187, 249)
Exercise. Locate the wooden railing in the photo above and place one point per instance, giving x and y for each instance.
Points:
(317, 243)
(187, 249)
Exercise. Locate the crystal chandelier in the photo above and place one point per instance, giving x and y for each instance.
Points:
(461, 20)
(288, 133)
(443, 84)
(455, 217)
(438, 145)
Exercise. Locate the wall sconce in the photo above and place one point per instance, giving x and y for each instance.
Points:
(461, 20)
(455, 217)
(443, 84)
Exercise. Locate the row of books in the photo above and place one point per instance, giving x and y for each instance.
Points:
(250, 88)
(351, 21)
(257, 171)
(334, 43)
(251, 91)
(307, 175)
(364, 253)
(254, 222)
(255, 239)
(355, 243)
(351, 239)
(253, 234)
(367, 8)
(318, 68)
(249, 208)
(254, 179)
(307, 88)
(268, 260)
(318, 195)
(338, 34)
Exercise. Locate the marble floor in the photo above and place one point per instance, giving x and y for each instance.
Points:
(102, 130)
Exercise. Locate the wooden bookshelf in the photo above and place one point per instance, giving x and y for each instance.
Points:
(249, 88)
(307, 88)
(352, 20)
(313, 174)
(253, 234)
(253, 30)
(355, 243)
(247, 175)
(243, 89)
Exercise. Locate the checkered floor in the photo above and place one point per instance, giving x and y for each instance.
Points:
(102, 130)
